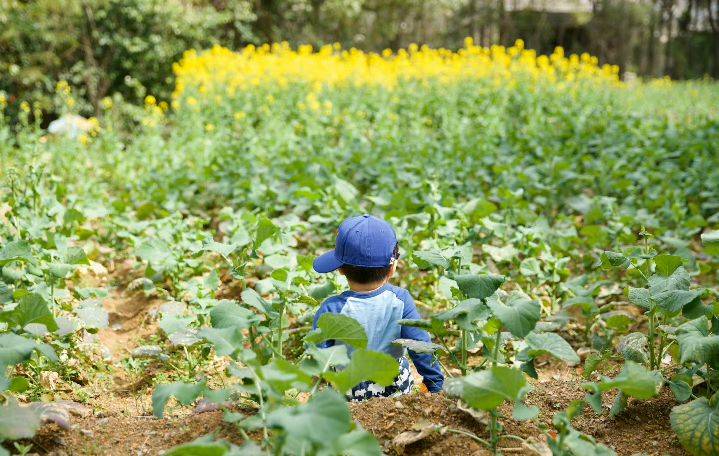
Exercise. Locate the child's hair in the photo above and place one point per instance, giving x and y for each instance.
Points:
(359, 274)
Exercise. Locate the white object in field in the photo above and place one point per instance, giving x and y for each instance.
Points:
(70, 125)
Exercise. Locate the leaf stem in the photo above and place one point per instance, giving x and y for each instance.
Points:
(465, 356)
(652, 336)
(262, 405)
(451, 352)
(497, 343)
(470, 435)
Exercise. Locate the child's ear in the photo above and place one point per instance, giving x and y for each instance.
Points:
(392, 269)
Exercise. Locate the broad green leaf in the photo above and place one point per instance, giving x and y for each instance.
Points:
(323, 419)
(681, 389)
(618, 320)
(229, 314)
(320, 292)
(282, 375)
(433, 326)
(665, 265)
(252, 298)
(640, 297)
(580, 444)
(618, 405)
(75, 255)
(265, 229)
(425, 259)
(418, 346)
(613, 260)
(377, 367)
(530, 267)
(634, 380)
(18, 422)
(19, 385)
(60, 270)
(357, 443)
(15, 349)
(710, 239)
(227, 340)
(466, 313)
(500, 254)
(92, 314)
(696, 424)
(592, 363)
(218, 247)
(338, 327)
(585, 303)
(185, 393)
(6, 293)
(478, 286)
(679, 280)
(15, 250)
(488, 389)
(540, 343)
(345, 190)
(198, 449)
(695, 342)
(672, 301)
(32, 308)
(154, 251)
(524, 412)
(519, 315)
(633, 347)
(324, 359)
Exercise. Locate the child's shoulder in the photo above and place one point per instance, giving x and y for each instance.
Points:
(402, 293)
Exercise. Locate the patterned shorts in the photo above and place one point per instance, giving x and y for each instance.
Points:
(403, 384)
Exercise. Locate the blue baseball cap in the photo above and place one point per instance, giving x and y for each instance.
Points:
(364, 241)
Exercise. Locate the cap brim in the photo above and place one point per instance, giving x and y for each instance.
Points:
(326, 262)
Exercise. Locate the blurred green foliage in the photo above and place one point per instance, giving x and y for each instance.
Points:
(127, 47)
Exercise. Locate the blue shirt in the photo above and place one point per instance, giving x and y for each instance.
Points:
(379, 312)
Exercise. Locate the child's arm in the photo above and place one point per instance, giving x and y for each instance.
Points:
(426, 365)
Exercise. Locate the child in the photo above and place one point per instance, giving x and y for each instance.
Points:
(366, 254)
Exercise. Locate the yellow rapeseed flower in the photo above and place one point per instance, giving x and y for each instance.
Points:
(219, 73)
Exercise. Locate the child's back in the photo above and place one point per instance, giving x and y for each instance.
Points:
(366, 252)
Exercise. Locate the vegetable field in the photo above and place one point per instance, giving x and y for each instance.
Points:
(559, 232)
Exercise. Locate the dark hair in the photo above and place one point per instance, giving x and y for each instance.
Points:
(359, 274)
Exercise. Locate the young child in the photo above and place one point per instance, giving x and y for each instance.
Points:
(366, 254)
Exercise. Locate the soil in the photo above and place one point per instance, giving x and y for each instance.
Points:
(123, 425)
(642, 429)
(121, 422)
(129, 321)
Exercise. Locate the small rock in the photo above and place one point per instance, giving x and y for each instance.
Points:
(398, 405)
(583, 352)
(106, 353)
(87, 432)
(149, 351)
